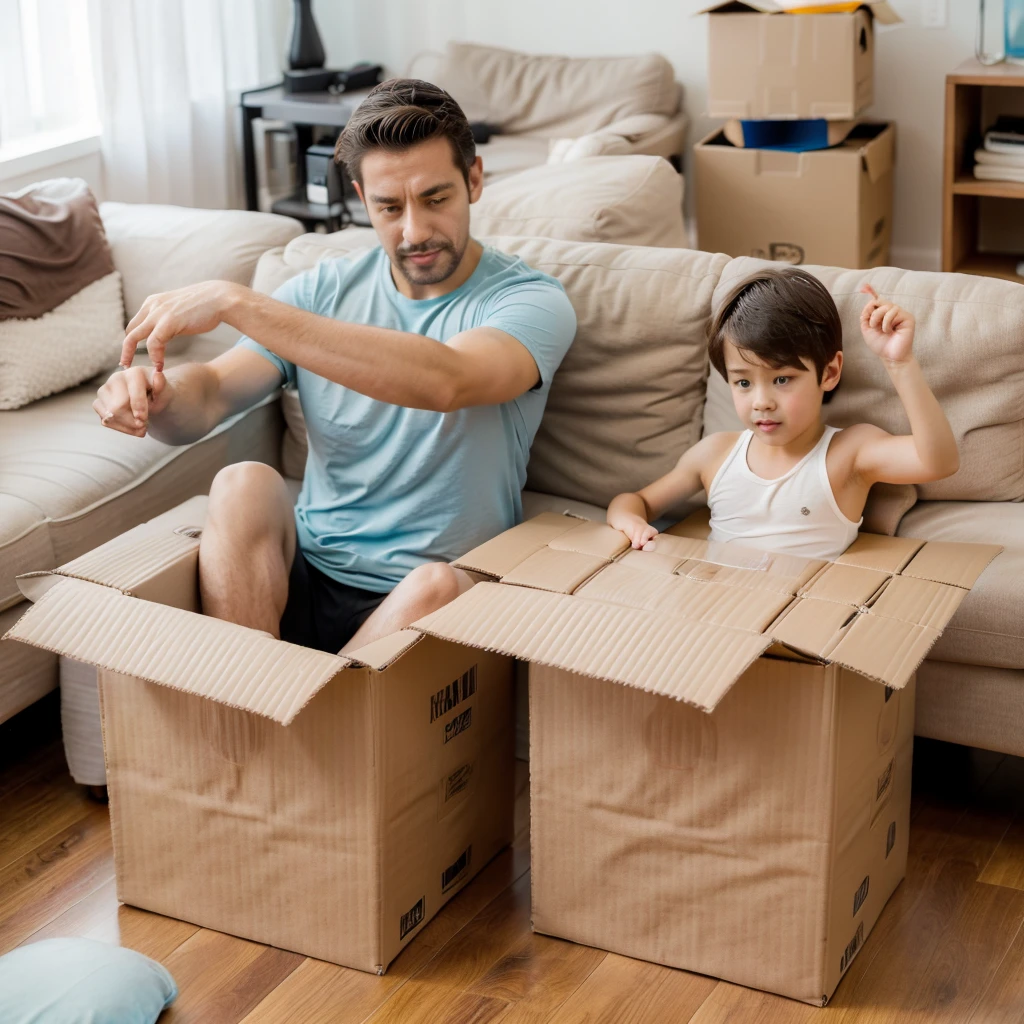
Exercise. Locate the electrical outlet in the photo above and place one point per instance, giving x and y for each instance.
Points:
(934, 13)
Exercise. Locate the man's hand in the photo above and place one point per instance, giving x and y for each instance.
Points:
(887, 329)
(195, 309)
(638, 531)
(130, 397)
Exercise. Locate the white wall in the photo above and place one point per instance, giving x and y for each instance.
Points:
(911, 64)
(89, 167)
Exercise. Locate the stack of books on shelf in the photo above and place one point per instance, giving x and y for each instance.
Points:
(1001, 158)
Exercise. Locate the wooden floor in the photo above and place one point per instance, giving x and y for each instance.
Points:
(949, 946)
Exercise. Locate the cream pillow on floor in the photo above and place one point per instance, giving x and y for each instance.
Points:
(62, 348)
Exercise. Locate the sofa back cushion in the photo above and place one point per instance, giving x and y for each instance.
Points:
(635, 200)
(970, 344)
(525, 93)
(627, 399)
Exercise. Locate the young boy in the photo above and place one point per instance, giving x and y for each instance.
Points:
(788, 483)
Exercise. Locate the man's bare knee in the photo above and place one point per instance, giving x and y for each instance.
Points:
(431, 586)
(249, 501)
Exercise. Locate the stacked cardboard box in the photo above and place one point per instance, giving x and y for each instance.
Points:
(787, 201)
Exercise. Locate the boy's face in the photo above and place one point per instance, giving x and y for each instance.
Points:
(779, 405)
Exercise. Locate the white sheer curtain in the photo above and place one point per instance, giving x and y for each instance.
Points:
(169, 74)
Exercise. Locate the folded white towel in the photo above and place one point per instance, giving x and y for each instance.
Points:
(986, 172)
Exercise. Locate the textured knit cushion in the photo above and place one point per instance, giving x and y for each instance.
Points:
(52, 245)
(63, 347)
(970, 344)
(80, 981)
(634, 200)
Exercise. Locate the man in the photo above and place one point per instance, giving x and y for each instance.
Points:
(422, 368)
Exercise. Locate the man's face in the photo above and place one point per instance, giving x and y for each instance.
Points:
(418, 203)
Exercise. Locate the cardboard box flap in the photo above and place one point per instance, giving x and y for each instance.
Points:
(589, 538)
(124, 566)
(558, 571)
(920, 601)
(877, 551)
(690, 661)
(881, 10)
(879, 154)
(847, 584)
(382, 653)
(959, 565)
(886, 650)
(209, 657)
(810, 625)
(503, 553)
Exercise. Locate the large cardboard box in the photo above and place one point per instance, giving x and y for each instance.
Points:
(830, 207)
(765, 63)
(322, 804)
(720, 748)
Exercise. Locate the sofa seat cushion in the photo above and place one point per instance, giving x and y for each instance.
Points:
(633, 200)
(988, 628)
(71, 484)
(26, 673)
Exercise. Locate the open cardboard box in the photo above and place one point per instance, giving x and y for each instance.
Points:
(323, 804)
(720, 739)
(764, 62)
(831, 207)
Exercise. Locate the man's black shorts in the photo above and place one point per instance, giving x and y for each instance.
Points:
(321, 612)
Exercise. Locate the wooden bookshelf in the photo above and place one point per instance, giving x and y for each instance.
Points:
(975, 95)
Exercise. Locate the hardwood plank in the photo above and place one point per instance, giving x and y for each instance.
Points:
(94, 917)
(323, 993)
(220, 977)
(537, 976)
(426, 1002)
(39, 809)
(733, 1004)
(152, 934)
(624, 991)
(1006, 865)
(54, 877)
(1002, 1001)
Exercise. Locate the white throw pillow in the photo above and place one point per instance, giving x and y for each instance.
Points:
(62, 348)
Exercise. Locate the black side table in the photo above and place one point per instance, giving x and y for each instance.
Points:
(305, 111)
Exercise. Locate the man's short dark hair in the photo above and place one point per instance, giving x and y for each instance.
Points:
(400, 113)
(781, 315)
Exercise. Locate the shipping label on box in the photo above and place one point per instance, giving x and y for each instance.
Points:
(721, 738)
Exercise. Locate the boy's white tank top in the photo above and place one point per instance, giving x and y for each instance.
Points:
(795, 514)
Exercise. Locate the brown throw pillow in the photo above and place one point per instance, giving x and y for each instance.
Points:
(52, 245)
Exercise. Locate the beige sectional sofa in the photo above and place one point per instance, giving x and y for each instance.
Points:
(635, 391)
(551, 109)
(67, 483)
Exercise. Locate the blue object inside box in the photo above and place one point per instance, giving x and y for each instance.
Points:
(795, 136)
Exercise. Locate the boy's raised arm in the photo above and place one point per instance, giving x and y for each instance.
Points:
(929, 452)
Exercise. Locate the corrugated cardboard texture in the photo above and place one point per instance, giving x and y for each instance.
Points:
(734, 844)
(773, 65)
(337, 830)
(686, 619)
(832, 206)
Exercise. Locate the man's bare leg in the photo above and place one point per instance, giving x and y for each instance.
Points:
(247, 547)
(423, 591)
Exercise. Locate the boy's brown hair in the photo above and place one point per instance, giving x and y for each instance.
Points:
(400, 113)
(782, 315)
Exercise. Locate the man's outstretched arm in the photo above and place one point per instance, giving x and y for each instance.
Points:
(482, 366)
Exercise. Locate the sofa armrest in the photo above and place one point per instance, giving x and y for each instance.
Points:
(157, 248)
(647, 134)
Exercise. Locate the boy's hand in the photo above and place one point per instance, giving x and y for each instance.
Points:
(887, 329)
(638, 531)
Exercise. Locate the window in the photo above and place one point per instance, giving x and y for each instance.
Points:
(47, 93)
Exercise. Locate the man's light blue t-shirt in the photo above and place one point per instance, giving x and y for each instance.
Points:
(388, 488)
